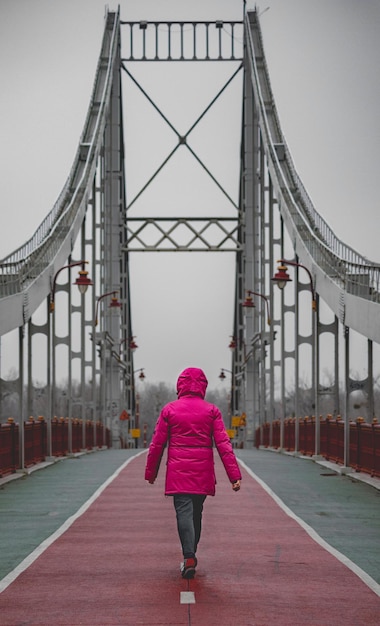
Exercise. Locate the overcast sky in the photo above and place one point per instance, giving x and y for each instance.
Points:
(323, 63)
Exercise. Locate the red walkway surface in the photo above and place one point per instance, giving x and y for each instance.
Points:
(118, 563)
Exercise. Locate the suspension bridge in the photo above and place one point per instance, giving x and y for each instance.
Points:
(298, 288)
(95, 228)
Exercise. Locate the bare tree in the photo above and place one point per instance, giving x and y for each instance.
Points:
(151, 400)
(154, 396)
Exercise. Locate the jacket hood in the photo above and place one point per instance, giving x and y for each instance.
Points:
(192, 381)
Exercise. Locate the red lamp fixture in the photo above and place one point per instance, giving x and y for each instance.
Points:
(249, 303)
(282, 277)
(114, 304)
(82, 282)
(132, 344)
(141, 375)
(222, 375)
(232, 344)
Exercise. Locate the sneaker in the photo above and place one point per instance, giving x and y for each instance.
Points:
(188, 568)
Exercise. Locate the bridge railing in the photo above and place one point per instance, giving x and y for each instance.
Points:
(9, 448)
(346, 267)
(29, 261)
(364, 440)
(35, 441)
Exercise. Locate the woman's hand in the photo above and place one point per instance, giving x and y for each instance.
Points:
(236, 485)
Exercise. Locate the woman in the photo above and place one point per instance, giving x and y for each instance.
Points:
(190, 426)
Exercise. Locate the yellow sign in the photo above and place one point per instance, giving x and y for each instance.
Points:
(235, 420)
(231, 432)
(135, 433)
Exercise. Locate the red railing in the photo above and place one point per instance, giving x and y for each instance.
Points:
(276, 437)
(77, 435)
(9, 448)
(365, 447)
(59, 437)
(35, 448)
(306, 435)
(289, 434)
(36, 438)
(332, 439)
(364, 440)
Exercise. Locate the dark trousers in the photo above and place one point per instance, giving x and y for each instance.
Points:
(188, 508)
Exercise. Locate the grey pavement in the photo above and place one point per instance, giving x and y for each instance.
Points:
(342, 510)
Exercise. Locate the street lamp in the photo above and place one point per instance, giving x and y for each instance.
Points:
(114, 304)
(82, 282)
(232, 344)
(259, 380)
(282, 278)
(141, 375)
(233, 406)
(249, 303)
(222, 375)
(131, 344)
(135, 430)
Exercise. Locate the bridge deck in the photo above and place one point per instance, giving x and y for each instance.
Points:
(117, 561)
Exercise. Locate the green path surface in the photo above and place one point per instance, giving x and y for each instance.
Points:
(34, 506)
(344, 512)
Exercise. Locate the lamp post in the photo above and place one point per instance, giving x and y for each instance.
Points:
(141, 375)
(232, 344)
(237, 347)
(222, 375)
(249, 303)
(136, 426)
(282, 278)
(236, 419)
(114, 304)
(131, 344)
(141, 378)
(82, 282)
(136, 422)
(259, 380)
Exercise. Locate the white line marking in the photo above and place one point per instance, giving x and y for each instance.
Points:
(366, 578)
(187, 597)
(27, 562)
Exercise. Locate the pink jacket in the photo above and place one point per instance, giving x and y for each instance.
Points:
(190, 426)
